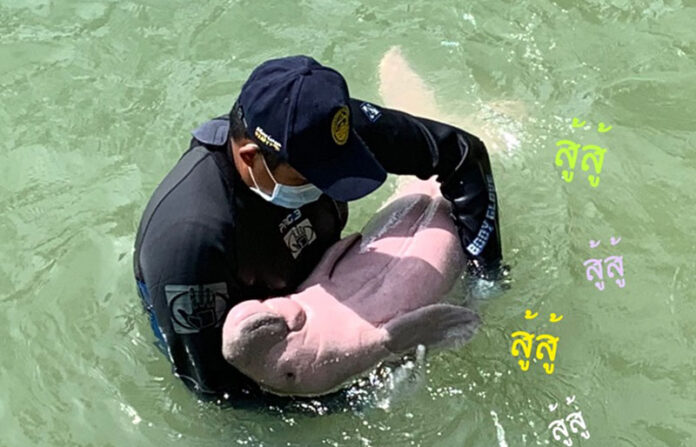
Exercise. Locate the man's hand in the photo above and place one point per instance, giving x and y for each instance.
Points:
(475, 213)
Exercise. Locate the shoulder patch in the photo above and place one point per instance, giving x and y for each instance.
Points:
(371, 112)
(193, 308)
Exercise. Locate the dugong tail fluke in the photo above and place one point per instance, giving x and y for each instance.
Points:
(401, 88)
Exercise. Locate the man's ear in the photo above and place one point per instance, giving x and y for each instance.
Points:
(247, 153)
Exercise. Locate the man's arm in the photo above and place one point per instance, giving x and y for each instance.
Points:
(405, 144)
(183, 267)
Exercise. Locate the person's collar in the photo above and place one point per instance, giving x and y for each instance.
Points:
(213, 132)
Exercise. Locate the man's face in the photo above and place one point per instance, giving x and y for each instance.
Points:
(248, 156)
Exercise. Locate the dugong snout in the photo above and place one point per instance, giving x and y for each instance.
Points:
(254, 334)
(254, 327)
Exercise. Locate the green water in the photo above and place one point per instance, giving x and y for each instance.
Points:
(97, 102)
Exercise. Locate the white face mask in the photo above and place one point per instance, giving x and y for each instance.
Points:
(285, 195)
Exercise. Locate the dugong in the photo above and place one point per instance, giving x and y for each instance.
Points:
(373, 295)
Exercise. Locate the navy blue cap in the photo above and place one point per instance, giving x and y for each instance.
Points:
(300, 109)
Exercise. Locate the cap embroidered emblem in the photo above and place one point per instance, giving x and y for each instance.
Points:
(266, 139)
(340, 126)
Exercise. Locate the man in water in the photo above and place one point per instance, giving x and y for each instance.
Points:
(259, 196)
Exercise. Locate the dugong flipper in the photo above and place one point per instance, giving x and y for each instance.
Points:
(436, 325)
